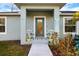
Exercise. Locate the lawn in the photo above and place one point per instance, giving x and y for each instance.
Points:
(13, 48)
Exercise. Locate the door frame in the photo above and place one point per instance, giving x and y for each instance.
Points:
(44, 25)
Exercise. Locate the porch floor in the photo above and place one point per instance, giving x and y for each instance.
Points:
(39, 50)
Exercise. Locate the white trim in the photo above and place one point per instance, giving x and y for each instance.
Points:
(5, 25)
(77, 27)
(44, 25)
(64, 25)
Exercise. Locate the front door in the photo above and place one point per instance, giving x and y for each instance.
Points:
(39, 27)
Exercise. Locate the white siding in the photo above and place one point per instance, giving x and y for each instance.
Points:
(13, 29)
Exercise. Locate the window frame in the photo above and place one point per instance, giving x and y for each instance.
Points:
(64, 26)
(5, 25)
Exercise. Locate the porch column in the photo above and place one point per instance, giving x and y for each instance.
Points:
(23, 26)
(56, 20)
(77, 27)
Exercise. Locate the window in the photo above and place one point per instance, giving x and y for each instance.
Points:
(2, 24)
(68, 25)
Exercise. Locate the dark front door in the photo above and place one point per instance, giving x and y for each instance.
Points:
(39, 27)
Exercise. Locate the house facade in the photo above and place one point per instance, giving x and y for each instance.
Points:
(36, 20)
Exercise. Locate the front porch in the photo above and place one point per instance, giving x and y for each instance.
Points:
(49, 15)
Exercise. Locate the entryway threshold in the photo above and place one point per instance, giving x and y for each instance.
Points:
(40, 50)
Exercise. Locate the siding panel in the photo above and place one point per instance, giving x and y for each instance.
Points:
(13, 29)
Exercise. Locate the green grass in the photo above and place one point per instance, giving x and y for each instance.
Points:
(13, 48)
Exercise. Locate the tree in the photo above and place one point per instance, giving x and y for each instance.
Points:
(75, 17)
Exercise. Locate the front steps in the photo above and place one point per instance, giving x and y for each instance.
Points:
(40, 40)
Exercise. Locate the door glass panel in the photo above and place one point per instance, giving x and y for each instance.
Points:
(39, 26)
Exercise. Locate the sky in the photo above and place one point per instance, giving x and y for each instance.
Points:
(9, 7)
(70, 7)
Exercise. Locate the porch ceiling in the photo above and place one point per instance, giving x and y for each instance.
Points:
(50, 11)
(40, 10)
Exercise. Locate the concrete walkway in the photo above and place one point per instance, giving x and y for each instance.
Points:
(40, 50)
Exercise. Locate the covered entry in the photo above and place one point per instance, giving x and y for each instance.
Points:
(39, 21)
(28, 23)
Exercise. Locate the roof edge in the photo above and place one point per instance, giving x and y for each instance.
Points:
(9, 14)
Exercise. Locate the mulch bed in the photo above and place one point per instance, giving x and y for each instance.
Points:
(58, 51)
(64, 47)
(13, 48)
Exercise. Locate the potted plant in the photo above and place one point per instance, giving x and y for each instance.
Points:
(28, 38)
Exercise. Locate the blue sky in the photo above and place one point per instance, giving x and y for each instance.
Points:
(7, 7)
(70, 7)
